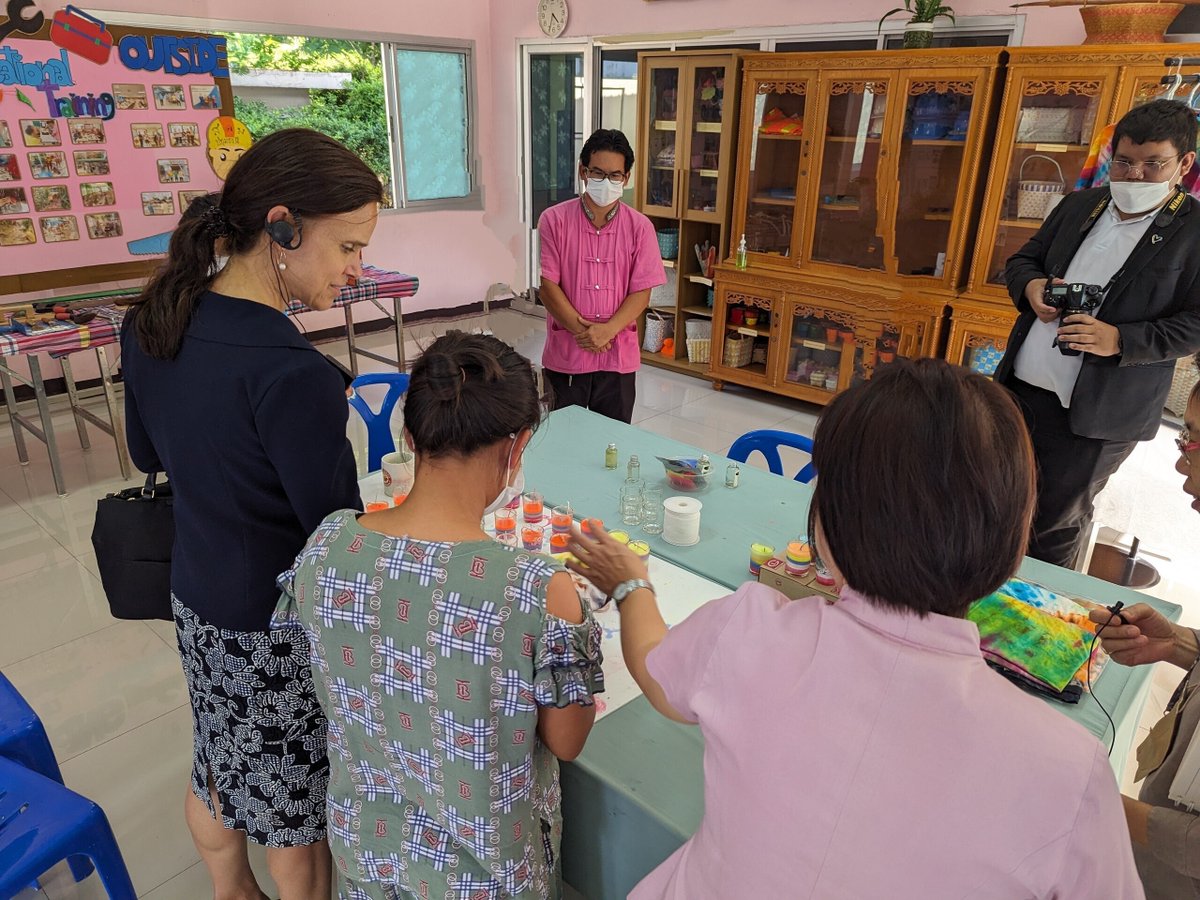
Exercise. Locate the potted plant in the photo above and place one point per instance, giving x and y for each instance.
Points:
(918, 33)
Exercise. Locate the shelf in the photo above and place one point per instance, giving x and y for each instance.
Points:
(936, 217)
(773, 201)
(762, 135)
(700, 279)
(747, 330)
(1052, 148)
(839, 207)
(838, 139)
(709, 127)
(675, 365)
(668, 263)
(937, 143)
(665, 125)
(1021, 223)
(708, 173)
(705, 311)
(664, 168)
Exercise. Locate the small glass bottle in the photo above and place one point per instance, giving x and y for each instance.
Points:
(633, 471)
(610, 457)
(740, 259)
(733, 474)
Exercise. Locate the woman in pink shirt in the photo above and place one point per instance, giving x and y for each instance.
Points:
(862, 749)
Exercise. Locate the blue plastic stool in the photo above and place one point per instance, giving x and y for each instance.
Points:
(768, 443)
(43, 823)
(379, 424)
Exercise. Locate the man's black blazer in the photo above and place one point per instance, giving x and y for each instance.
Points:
(1155, 304)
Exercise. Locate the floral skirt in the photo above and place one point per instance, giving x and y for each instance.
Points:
(258, 731)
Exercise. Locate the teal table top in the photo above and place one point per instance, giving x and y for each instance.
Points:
(565, 461)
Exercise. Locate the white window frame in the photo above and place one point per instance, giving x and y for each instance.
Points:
(388, 43)
(474, 198)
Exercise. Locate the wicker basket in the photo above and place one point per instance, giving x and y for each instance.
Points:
(699, 350)
(1185, 379)
(1035, 199)
(659, 326)
(738, 350)
(668, 243)
(1128, 23)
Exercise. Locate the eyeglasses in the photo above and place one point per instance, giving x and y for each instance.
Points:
(1186, 445)
(601, 175)
(1151, 170)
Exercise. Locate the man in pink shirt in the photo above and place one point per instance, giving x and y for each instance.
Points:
(599, 261)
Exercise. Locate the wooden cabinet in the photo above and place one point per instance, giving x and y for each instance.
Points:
(687, 126)
(856, 180)
(1056, 102)
(808, 338)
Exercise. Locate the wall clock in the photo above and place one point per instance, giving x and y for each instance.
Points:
(552, 17)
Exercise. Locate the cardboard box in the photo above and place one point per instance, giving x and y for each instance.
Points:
(774, 574)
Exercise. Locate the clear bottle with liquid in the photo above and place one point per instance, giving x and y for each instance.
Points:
(733, 475)
(740, 259)
(610, 457)
(633, 471)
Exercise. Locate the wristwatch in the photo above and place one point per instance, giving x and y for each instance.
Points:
(625, 588)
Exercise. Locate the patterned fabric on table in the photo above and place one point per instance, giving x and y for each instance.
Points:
(257, 729)
(431, 660)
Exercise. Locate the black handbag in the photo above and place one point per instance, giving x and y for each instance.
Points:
(133, 535)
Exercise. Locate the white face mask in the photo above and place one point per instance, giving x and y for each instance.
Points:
(510, 492)
(1141, 196)
(603, 192)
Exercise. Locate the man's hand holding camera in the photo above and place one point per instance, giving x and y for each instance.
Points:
(1082, 332)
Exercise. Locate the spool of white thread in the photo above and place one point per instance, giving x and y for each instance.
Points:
(681, 521)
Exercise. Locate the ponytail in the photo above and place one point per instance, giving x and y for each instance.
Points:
(165, 306)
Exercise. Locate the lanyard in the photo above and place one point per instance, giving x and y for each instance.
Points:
(1163, 218)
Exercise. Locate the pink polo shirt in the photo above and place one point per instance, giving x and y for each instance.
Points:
(597, 268)
(857, 753)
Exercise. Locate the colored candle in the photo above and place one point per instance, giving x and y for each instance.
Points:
(586, 524)
(759, 554)
(642, 549)
(619, 536)
(561, 518)
(559, 542)
(533, 508)
(531, 538)
(506, 522)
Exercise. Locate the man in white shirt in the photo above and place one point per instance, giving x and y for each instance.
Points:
(1092, 385)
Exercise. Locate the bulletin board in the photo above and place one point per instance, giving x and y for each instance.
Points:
(104, 141)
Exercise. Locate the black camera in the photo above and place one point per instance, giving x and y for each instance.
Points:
(1070, 300)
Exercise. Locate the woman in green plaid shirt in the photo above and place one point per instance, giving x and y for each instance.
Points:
(452, 669)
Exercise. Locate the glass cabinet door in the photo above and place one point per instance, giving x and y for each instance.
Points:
(778, 146)
(937, 119)
(706, 142)
(1055, 122)
(663, 165)
(820, 349)
(847, 226)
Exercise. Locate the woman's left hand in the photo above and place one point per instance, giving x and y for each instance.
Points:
(603, 561)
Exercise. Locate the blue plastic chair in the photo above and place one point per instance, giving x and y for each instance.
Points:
(379, 424)
(22, 736)
(768, 443)
(43, 823)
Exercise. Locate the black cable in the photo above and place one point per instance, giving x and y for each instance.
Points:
(1112, 610)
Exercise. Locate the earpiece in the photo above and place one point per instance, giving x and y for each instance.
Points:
(284, 234)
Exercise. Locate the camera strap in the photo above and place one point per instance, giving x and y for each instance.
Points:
(1162, 219)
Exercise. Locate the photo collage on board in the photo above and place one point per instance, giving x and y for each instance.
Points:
(126, 171)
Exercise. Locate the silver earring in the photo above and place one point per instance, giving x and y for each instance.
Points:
(282, 264)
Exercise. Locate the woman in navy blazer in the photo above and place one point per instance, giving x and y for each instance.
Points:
(248, 421)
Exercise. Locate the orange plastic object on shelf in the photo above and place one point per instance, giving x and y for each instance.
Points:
(775, 122)
(668, 347)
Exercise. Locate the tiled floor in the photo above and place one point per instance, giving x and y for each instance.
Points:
(111, 693)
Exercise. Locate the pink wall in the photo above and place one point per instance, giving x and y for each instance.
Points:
(457, 255)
